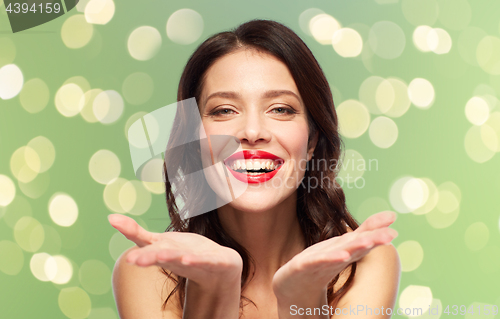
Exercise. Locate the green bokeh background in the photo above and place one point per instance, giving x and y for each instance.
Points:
(430, 141)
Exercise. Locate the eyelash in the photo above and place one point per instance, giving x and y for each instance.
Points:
(288, 111)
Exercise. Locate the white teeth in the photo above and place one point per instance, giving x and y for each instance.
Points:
(254, 165)
(243, 166)
(271, 166)
(249, 165)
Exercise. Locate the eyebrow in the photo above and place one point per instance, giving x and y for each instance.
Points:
(265, 95)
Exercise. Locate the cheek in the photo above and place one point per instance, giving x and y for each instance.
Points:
(294, 141)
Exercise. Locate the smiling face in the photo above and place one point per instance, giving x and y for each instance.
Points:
(252, 96)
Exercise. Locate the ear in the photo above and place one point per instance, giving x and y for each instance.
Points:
(312, 146)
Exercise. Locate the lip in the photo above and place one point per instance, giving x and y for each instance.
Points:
(253, 154)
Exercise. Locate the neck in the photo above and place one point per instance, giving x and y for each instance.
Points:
(271, 237)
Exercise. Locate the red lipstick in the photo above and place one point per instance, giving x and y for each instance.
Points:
(253, 154)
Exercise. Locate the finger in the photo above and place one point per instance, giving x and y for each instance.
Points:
(379, 220)
(130, 229)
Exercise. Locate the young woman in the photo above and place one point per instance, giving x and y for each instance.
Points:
(280, 250)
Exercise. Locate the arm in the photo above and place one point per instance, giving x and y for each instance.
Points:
(300, 285)
(213, 275)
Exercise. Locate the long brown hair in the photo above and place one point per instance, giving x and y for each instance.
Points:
(322, 211)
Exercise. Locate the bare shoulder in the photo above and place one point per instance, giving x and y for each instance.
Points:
(141, 291)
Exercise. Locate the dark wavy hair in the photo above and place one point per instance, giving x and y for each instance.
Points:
(322, 211)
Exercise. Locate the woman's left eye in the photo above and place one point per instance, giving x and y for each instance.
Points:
(283, 110)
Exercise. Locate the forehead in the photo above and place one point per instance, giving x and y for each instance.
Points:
(249, 72)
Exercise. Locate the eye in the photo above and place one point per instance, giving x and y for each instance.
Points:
(283, 110)
(221, 112)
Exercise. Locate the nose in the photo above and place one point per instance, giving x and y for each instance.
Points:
(254, 129)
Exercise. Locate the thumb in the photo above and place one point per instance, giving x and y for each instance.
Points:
(130, 229)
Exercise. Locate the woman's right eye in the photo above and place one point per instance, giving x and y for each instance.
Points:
(223, 111)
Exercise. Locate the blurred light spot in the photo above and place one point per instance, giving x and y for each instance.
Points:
(63, 209)
(154, 187)
(45, 150)
(76, 32)
(396, 196)
(87, 100)
(432, 199)
(305, 18)
(420, 37)
(419, 12)
(7, 190)
(68, 99)
(104, 166)
(184, 26)
(52, 242)
(477, 110)
(387, 39)
(477, 236)
(74, 303)
(352, 166)
(383, 132)
(489, 260)
(411, 254)
(134, 117)
(108, 106)
(36, 187)
(438, 219)
(7, 50)
(117, 245)
(37, 266)
(95, 277)
(25, 164)
(12, 259)
(144, 43)
(401, 102)
(467, 44)
(371, 206)
(137, 88)
(34, 96)
(99, 11)
(110, 195)
(475, 147)
(439, 41)
(58, 269)
(447, 202)
(385, 96)
(488, 54)
(454, 14)
(29, 234)
(421, 93)
(102, 313)
(11, 81)
(152, 171)
(18, 208)
(416, 297)
(322, 27)
(82, 82)
(353, 118)
(368, 92)
(414, 193)
(490, 132)
(134, 198)
(347, 42)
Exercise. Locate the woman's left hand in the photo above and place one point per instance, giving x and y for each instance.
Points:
(308, 273)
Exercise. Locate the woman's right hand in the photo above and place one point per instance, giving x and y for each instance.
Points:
(189, 255)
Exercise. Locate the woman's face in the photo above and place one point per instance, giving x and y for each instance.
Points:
(253, 97)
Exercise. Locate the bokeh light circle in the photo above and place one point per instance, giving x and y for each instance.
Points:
(76, 32)
(421, 93)
(387, 39)
(322, 27)
(63, 209)
(144, 43)
(108, 106)
(7, 190)
(353, 118)
(11, 81)
(185, 26)
(34, 96)
(104, 166)
(411, 254)
(74, 303)
(383, 132)
(99, 11)
(347, 42)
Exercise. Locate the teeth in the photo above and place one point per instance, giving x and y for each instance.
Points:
(254, 165)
